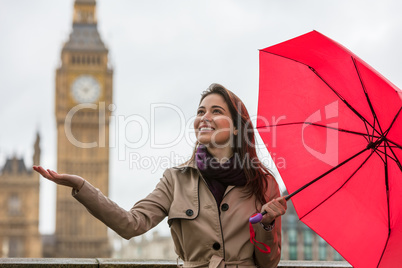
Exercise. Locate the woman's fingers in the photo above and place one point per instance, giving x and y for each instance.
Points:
(275, 208)
(48, 174)
(42, 172)
(62, 179)
(54, 174)
(282, 201)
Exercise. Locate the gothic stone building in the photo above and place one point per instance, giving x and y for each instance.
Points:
(19, 208)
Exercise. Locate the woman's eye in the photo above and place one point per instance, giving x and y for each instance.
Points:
(200, 112)
(217, 111)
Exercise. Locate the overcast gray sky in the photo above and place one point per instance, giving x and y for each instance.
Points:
(164, 54)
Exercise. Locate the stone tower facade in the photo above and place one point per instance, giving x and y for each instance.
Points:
(83, 95)
(19, 209)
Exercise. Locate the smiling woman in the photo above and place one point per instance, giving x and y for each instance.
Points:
(214, 124)
(208, 200)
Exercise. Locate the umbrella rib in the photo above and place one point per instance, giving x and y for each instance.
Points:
(339, 187)
(373, 129)
(394, 143)
(336, 93)
(318, 125)
(398, 163)
(392, 146)
(382, 155)
(367, 96)
(324, 174)
(368, 134)
(389, 216)
(344, 101)
(339, 129)
(388, 155)
(283, 57)
(392, 123)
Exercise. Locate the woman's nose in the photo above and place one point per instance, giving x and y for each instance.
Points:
(206, 118)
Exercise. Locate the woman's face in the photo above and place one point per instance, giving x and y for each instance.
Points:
(213, 124)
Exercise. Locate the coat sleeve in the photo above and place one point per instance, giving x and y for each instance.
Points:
(271, 238)
(143, 216)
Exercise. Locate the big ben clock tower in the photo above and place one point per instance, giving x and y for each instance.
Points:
(83, 95)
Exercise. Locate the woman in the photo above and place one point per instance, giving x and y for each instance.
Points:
(209, 199)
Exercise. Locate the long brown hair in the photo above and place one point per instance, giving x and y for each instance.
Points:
(244, 143)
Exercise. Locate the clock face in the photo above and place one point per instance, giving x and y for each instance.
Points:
(85, 89)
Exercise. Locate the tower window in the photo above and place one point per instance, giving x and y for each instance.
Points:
(292, 234)
(308, 243)
(322, 249)
(73, 59)
(90, 17)
(14, 204)
(79, 15)
(15, 247)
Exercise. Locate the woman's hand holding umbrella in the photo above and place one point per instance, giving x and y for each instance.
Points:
(270, 211)
(273, 209)
(73, 181)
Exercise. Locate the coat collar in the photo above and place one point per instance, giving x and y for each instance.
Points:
(189, 164)
(192, 165)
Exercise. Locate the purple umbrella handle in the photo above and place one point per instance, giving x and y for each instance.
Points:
(257, 217)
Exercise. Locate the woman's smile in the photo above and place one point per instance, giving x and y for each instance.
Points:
(205, 128)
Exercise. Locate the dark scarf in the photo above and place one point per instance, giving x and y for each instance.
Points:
(219, 176)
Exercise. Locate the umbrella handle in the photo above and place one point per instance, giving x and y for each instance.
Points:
(258, 216)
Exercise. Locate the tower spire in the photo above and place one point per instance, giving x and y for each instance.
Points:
(84, 12)
(36, 155)
(85, 35)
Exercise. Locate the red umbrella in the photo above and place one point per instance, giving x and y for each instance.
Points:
(333, 127)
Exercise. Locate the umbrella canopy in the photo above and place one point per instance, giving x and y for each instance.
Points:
(333, 126)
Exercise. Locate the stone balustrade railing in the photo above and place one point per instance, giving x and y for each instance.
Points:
(117, 263)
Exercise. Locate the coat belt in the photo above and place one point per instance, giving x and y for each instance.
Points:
(219, 262)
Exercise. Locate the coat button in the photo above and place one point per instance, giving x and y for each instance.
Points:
(189, 212)
(225, 207)
(216, 246)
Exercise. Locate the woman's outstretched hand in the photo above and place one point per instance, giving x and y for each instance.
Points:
(73, 181)
(274, 208)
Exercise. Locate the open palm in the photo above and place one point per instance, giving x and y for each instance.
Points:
(73, 181)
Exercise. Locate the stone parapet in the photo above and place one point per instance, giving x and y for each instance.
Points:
(117, 263)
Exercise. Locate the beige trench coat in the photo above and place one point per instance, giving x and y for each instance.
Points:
(204, 235)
